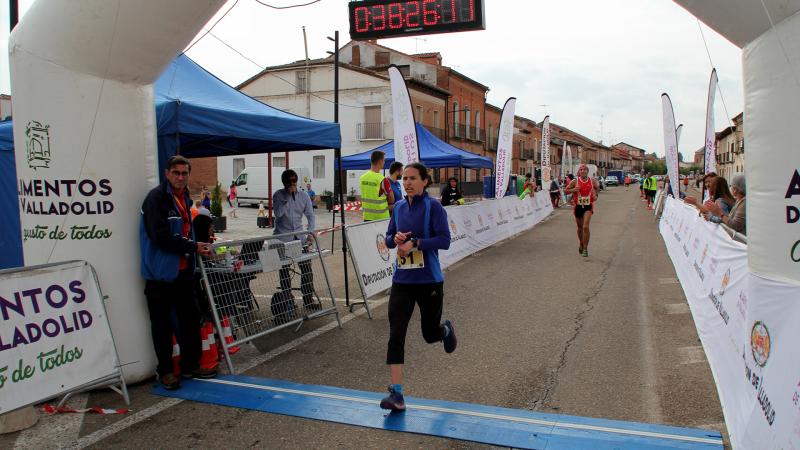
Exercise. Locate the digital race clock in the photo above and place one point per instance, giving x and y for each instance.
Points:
(372, 19)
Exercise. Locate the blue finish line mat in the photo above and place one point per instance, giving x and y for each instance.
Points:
(478, 423)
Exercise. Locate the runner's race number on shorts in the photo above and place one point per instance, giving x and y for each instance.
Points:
(413, 260)
(584, 201)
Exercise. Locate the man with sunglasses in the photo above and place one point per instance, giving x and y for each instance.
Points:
(291, 204)
(168, 250)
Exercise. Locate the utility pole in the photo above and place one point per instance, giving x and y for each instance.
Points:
(307, 86)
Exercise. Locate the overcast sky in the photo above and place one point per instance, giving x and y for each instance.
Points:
(589, 61)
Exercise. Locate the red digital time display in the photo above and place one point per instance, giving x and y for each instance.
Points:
(372, 19)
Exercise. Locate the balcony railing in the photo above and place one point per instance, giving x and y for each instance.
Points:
(366, 131)
(461, 131)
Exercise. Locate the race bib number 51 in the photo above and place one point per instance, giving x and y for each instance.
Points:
(413, 260)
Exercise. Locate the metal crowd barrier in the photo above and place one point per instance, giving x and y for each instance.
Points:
(735, 235)
(261, 285)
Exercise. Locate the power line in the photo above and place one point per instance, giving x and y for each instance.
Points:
(212, 27)
(780, 43)
(275, 75)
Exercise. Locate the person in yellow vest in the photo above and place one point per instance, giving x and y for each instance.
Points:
(376, 191)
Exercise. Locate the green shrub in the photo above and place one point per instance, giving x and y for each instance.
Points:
(216, 201)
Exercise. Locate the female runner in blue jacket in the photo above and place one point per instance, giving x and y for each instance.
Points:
(419, 229)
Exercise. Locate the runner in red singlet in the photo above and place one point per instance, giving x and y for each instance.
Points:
(585, 193)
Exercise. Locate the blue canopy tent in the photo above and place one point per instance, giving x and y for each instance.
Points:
(199, 115)
(433, 152)
(10, 231)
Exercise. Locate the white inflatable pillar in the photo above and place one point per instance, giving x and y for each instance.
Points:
(771, 65)
(85, 139)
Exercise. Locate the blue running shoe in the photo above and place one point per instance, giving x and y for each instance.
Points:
(450, 341)
(394, 401)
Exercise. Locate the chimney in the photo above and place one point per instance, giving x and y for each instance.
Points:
(356, 58)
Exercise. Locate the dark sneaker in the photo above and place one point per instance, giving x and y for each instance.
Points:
(394, 401)
(170, 382)
(202, 373)
(450, 341)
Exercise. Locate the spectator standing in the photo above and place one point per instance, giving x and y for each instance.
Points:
(205, 198)
(168, 250)
(311, 195)
(419, 229)
(291, 204)
(451, 195)
(376, 192)
(395, 172)
(232, 194)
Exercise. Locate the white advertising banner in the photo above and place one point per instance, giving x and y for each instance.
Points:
(505, 138)
(748, 327)
(54, 335)
(473, 227)
(670, 143)
(406, 145)
(546, 152)
(710, 160)
(373, 259)
(84, 130)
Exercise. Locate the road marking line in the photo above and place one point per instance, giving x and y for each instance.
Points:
(484, 415)
(677, 308)
(163, 405)
(691, 355)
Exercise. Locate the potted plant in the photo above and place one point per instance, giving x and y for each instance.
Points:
(351, 197)
(219, 221)
(327, 197)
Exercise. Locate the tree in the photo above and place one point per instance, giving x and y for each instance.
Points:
(657, 167)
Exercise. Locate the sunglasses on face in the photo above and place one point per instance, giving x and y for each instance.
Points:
(179, 174)
(292, 180)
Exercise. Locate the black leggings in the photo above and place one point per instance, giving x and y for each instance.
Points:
(429, 297)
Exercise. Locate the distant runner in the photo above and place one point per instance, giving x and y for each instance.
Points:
(585, 191)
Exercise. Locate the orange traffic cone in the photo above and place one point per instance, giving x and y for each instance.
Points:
(227, 335)
(209, 356)
(176, 357)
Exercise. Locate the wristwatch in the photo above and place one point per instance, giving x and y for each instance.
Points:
(414, 242)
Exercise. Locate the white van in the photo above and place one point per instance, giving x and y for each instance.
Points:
(251, 184)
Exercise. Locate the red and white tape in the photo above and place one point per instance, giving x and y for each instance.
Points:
(349, 206)
(50, 409)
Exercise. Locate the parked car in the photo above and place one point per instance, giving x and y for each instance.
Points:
(612, 180)
(636, 178)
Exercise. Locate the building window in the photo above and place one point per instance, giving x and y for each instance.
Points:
(373, 127)
(278, 161)
(455, 119)
(477, 125)
(238, 166)
(381, 58)
(419, 114)
(490, 137)
(466, 122)
(405, 70)
(300, 82)
(436, 119)
(319, 167)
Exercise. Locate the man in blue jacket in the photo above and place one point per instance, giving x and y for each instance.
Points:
(168, 253)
